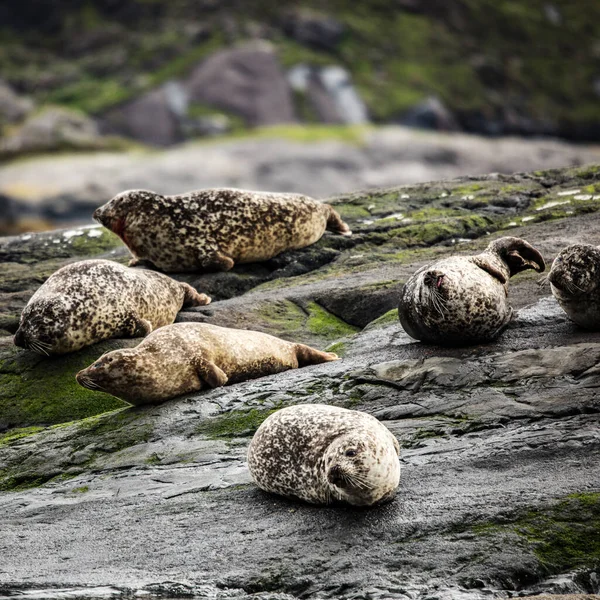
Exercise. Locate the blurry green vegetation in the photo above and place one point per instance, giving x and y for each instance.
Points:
(479, 57)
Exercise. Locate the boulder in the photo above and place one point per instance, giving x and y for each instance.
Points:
(152, 118)
(13, 108)
(310, 28)
(500, 486)
(247, 81)
(53, 128)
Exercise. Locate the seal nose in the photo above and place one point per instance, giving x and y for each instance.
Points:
(97, 216)
(335, 476)
(20, 339)
(552, 278)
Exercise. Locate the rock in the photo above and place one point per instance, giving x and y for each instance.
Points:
(150, 119)
(430, 114)
(330, 93)
(53, 128)
(313, 29)
(13, 108)
(500, 487)
(247, 81)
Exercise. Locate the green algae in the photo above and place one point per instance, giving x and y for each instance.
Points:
(325, 324)
(36, 391)
(563, 537)
(236, 423)
(391, 316)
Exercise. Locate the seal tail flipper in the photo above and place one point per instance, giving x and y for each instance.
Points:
(309, 356)
(335, 223)
(192, 297)
(518, 255)
(210, 373)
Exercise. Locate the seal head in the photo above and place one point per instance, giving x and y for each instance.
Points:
(463, 299)
(323, 454)
(575, 283)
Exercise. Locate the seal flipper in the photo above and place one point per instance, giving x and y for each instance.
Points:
(193, 298)
(335, 223)
(517, 254)
(209, 372)
(142, 327)
(217, 261)
(488, 266)
(305, 355)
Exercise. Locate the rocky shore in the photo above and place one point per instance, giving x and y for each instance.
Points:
(500, 485)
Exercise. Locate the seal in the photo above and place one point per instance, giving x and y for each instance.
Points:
(575, 282)
(93, 300)
(187, 357)
(463, 299)
(211, 230)
(322, 454)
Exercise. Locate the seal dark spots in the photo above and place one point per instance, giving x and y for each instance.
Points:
(461, 299)
(323, 454)
(92, 300)
(214, 229)
(187, 357)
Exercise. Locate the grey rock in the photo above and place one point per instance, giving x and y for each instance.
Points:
(247, 81)
(313, 29)
(52, 129)
(500, 441)
(151, 118)
(13, 108)
(430, 114)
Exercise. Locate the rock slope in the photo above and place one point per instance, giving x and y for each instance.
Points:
(500, 484)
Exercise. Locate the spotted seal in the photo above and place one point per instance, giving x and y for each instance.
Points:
(322, 454)
(93, 300)
(187, 357)
(211, 230)
(463, 299)
(575, 282)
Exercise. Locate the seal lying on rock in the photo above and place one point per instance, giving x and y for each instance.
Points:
(187, 357)
(93, 300)
(211, 230)
(463, 299)
(321, 454)
(575, 282)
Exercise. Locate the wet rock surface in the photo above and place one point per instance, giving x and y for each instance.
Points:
(500, 483)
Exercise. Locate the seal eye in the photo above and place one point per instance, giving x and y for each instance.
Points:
(350, 452)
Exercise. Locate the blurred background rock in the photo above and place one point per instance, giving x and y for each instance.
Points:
(97, 96)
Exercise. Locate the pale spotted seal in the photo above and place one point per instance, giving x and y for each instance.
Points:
(463, 299)
(211, 230)
(93, 300)
(187, 357)
(322, 454)
(575, 282)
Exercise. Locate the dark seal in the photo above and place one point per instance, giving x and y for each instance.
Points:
(575, 282)
(211, 230)
(322, 454)
(93, 300)
(187, 357)
(463, 299)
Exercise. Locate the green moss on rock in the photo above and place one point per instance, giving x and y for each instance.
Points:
(236, 423)
(36, 390)
(325, 324)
